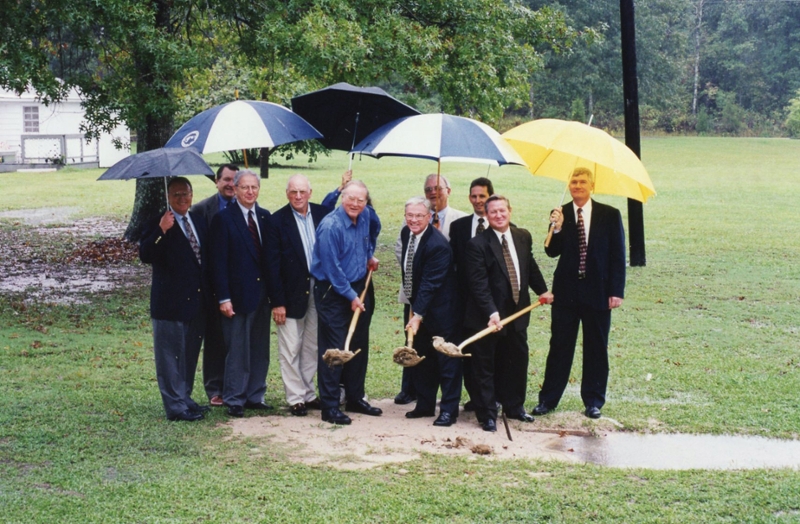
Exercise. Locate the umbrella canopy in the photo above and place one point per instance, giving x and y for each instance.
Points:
(554, 148)
(243, 124)
(157, 163)
(345, 114)
(441, 137)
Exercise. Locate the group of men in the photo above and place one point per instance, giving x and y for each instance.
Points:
(224, 266)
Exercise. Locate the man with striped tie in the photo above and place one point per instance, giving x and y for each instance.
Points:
(588, 283)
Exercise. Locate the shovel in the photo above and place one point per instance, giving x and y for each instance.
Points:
(338, 357)
(407, 356)
(451, 350)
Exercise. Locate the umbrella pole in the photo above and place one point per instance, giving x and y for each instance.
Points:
(244, 155)
(552, 225)
(355, 130)
(166, 193)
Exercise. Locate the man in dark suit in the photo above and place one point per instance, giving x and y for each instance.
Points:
(213, 342)
(175, 245)
(589, 282)
(461, 231)
(240, 282)
(429, 283)
(501, 267)
(290, 245)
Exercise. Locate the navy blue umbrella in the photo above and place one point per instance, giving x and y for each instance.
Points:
(243, 124)
(163, 162)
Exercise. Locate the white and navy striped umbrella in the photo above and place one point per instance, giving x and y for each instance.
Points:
(441, 137)
(243, 124)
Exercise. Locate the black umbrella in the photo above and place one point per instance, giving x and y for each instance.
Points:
(345, 114)
(158, 163)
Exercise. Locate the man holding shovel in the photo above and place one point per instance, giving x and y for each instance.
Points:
(501, 268)
(343, 253)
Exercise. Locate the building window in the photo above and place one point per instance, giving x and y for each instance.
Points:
(30, 117)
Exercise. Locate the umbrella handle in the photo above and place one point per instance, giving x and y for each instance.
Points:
(549, 235)
(491, 329)
(353, 322)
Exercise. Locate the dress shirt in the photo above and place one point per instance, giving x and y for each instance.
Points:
(179, 220)
(511, 248)
(587, 217)
(475, 224)
(222, 202)
(305, 224)
(442, 214)
(342, 250)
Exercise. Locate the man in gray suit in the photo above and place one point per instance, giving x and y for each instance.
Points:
(214, 349)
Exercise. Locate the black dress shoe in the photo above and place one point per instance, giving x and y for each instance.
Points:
(419, 413)
(314, 404)
(299, 410)
(261, 406)
(541, 409)
(469, 406)
(489, 425)
(334, 416)
(236, 411)
(363, 407)
(404, 398)
(444, 419)
(187, 415)
(201, 409)
(592, 412)
(521, 415)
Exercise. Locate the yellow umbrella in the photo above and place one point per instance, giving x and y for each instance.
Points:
(554, 148)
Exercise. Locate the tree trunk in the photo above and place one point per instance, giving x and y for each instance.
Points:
(264, 161)
(699, 17)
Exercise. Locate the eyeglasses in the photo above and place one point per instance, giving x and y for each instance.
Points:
(353, 198)
(434, 189)
(416, 216)
(249, 188)
(181, 195)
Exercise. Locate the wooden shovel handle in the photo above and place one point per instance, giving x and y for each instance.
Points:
(409, 331)
(357, 312)
(491, 329)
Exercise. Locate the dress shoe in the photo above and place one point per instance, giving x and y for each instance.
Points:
(236, 411)
(260, 406)
(314, 404)
(489, 425)
(469, 406)
(444, 420)
(404, 398)
(520, 415)
(201, 409)
(334, 416)
(592, 412)
(216, 401)
(541, 409)
(299, 410)
(187, 415)
(363, 407)
(419, 413)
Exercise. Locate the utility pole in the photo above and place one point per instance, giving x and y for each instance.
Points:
(630, 88)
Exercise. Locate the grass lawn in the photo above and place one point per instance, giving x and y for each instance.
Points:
(706, 342)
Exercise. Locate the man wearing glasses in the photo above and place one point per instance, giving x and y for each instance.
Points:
(343, 252)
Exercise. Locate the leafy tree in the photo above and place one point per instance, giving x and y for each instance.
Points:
(793, 118)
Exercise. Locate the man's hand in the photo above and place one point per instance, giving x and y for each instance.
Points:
(372, 264)
(347, 176)
(279, 315)
(356, 304)
(557, 219)
(414, 324)
(494, 320)
(547, 297)
(167, 221)
(226, 308)
(614, 302)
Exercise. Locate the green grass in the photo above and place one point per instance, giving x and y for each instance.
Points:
(713, 318)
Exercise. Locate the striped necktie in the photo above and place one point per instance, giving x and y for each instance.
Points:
(512, 271)
(582, 247)
(187, 228)
(481, 228)
(251, 225)
(407, 285)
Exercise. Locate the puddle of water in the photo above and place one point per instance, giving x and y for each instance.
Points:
(625, 450)
(41, 216)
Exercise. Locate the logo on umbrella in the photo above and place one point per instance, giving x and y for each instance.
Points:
(190, 139)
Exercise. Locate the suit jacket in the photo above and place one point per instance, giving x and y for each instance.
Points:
(605, 258)
(179, 280)
(286, 259)
(237, 272)
(207, 208)
(451, 216)
(433, 282)
(489, 283)
(460, 235)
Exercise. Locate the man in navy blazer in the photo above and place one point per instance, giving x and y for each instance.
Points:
(213, 341)
(501, 268)
(175, 245)
(290, 245)
(240, 282)
(586, 292)
(429, 283)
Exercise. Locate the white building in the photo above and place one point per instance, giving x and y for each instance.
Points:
(32, 133)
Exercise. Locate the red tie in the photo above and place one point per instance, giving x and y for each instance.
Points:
(251, 225)
(582, 247)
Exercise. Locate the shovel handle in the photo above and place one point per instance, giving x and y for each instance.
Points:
(409, 331)
(356, 314)
(549, 235)
(491, 329)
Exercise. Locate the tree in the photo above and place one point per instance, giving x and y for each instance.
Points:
(793, 118)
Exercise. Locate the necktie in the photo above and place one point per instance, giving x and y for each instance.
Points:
(251, 225)
(409, 264)
(481, 228)
(435, 220)
(192, 239)
(512, 272)
(582, 247)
